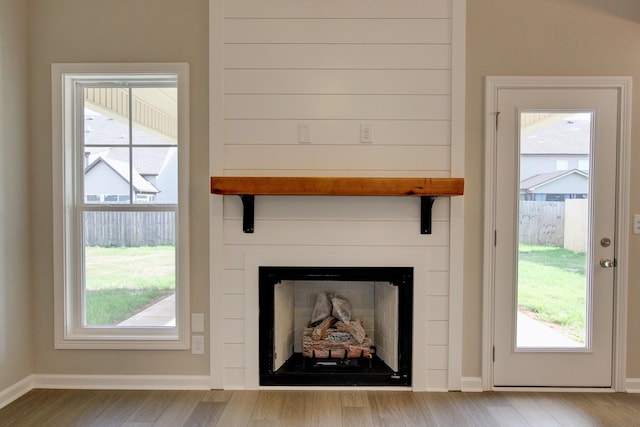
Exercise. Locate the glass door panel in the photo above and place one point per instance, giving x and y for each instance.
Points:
(553, 205)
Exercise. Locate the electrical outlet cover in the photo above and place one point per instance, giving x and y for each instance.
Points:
(197, 344)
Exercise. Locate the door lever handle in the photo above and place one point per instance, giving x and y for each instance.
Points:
(607, 263)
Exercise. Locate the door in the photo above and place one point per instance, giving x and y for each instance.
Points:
(555, 223)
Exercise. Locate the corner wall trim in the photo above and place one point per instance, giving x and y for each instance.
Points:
(15, 391)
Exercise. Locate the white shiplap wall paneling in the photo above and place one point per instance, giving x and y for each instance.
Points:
(338, 56)
(335, 208)
(346, 158)
(405, 173)
(338, 9)
(338, 132)
(342, 233)
(437, 258)
(335, 82)
(356, 31)
(356, 107)
(334, 65)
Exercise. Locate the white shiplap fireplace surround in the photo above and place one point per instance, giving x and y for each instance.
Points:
(331, 68)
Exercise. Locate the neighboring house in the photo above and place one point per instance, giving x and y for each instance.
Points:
(554, 143)
(154, 169)
(107, 181)
(555, 186)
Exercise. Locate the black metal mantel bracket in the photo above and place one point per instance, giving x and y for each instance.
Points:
(248, 204)
(426, 203)
(248, 213)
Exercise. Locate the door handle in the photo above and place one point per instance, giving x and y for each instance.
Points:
(607, 263)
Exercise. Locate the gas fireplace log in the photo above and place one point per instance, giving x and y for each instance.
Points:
(320, 331)
(327, 348)
(354, 328)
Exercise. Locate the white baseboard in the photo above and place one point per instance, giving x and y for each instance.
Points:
(632, 385)
(16, 390)
(123, 382)
(104, 382)
(471, 384)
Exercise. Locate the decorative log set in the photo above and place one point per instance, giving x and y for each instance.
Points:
(335, 339)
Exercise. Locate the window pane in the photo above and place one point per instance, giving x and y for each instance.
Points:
(108, 175)
(129, 269)
(106, 116)
(156, 175)
(155, 116)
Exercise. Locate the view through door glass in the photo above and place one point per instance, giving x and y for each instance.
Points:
(552, 281)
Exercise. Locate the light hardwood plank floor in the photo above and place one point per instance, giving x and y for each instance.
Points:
(343, 408)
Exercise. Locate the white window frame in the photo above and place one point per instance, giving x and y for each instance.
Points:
(69, 331)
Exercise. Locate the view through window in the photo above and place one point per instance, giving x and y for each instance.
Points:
(130, 187)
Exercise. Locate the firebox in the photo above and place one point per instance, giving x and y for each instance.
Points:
(335, 326)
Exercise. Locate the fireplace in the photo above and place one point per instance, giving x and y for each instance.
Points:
(380, 298)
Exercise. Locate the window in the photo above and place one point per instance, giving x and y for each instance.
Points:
(120, 205)
(562, 165)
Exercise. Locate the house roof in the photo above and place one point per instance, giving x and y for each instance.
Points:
(147, 161)
(559, 134)
(530, 184)
(140, 184)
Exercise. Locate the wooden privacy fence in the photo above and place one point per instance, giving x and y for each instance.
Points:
(576, 221)
(111, 229)
(561, 224)
(542, 223)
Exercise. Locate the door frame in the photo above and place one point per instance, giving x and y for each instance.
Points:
(492, 85)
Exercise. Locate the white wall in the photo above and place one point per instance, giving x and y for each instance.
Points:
(16, 330)
(333, 65)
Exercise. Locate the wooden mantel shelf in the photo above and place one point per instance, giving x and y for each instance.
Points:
(321, 186)
(249, 187)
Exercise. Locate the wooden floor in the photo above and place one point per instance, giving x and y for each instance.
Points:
(318, 408)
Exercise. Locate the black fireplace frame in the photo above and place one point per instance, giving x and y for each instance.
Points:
(402, 277)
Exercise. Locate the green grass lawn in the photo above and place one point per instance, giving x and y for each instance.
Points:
(121, 281)
(552, 285)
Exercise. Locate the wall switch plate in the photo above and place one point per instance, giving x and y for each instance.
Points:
(197, 344)
(197, 322)
(304, 133)
(636, 224)
(366, 132)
